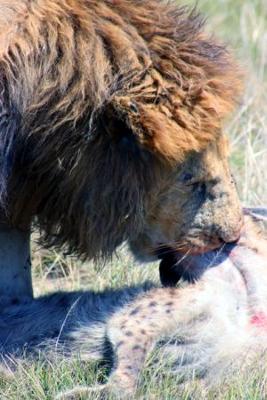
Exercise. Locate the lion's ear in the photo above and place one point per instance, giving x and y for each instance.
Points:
(168, 134)
(175, 123)
(169, 137)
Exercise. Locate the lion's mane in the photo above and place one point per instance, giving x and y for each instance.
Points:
(94, 95)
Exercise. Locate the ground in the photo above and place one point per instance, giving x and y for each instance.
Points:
(242, 23)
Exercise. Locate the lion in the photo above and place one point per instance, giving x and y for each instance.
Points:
(205, 330)
(111, 129)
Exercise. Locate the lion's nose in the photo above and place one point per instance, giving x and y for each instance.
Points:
(230, 235)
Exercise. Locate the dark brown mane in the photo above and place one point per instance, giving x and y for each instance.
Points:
(101, 91)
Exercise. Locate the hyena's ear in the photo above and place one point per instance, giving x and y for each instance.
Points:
(260, 213)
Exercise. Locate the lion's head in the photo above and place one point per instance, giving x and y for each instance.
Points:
(111, 125)
(194, 207)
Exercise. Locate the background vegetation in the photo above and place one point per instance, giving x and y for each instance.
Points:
(243, 24)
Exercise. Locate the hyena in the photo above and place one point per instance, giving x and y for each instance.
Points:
(217, 323)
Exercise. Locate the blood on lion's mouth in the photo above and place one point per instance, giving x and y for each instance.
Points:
(196, 246)
(207, 244)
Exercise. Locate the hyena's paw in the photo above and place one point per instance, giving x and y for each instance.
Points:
(122, 384)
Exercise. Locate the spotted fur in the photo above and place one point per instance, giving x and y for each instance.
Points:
(206, 330)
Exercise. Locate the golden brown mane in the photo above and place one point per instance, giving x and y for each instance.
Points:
(97, 88)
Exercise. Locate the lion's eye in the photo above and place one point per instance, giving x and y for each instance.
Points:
(187, 178)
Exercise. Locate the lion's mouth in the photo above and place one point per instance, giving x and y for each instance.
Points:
(190, 266)
(179, 261)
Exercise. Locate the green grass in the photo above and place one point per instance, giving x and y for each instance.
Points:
(243, 23)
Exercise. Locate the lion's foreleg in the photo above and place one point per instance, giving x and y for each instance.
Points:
(15, 266)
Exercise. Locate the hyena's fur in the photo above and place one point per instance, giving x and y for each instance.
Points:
(216, 324)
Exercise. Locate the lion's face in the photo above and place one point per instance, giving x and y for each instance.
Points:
(194, 208)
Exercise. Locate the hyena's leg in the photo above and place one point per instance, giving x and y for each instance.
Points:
(134, 331)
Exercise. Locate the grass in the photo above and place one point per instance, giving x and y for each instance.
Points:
(242, 23)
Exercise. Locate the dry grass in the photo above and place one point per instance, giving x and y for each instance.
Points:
(243, 23)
